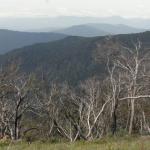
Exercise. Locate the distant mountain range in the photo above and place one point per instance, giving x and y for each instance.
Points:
(91, 30)
(50, 23)
(72, 59)
(83, 30)
(10, 40)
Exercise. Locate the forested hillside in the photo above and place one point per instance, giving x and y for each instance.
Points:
(76, 89)
(10, 40)
(74, 58)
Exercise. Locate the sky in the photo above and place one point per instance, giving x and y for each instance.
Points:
(96, 8)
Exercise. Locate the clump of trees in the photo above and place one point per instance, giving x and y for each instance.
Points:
(93, 109)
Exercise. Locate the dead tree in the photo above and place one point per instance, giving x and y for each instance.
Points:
(14, 101)
(91, 108)
(132, 65)
(114, 92)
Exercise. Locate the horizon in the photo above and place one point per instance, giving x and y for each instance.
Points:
(29, 23)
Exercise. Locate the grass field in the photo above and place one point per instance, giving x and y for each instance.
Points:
(142, 143)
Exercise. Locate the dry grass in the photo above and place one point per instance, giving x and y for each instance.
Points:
(142, 143)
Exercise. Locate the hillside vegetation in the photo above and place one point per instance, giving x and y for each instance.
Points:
(10, 40)
(73, 59)
(76, 89)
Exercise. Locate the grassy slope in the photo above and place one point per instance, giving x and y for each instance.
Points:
(106, 144)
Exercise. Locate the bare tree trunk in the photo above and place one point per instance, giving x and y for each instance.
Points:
(132, 116)
(16, 127)
(145, 123)
(114, 123)
(17, 118)
(12, 134)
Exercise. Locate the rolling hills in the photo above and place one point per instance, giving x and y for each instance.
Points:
(83, 30)
(72, 59)
(47, 24)
(13, 39)
(10, 40)
(98, 29)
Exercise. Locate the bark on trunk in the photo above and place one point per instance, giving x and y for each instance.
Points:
(132, 116)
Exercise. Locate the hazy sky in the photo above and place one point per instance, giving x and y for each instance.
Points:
(127, 8)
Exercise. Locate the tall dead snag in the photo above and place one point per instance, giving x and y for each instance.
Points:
(21, 105)
(15, 99)
(133, 68)
(114, 93)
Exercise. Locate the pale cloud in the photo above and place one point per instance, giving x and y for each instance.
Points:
(30, 8)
